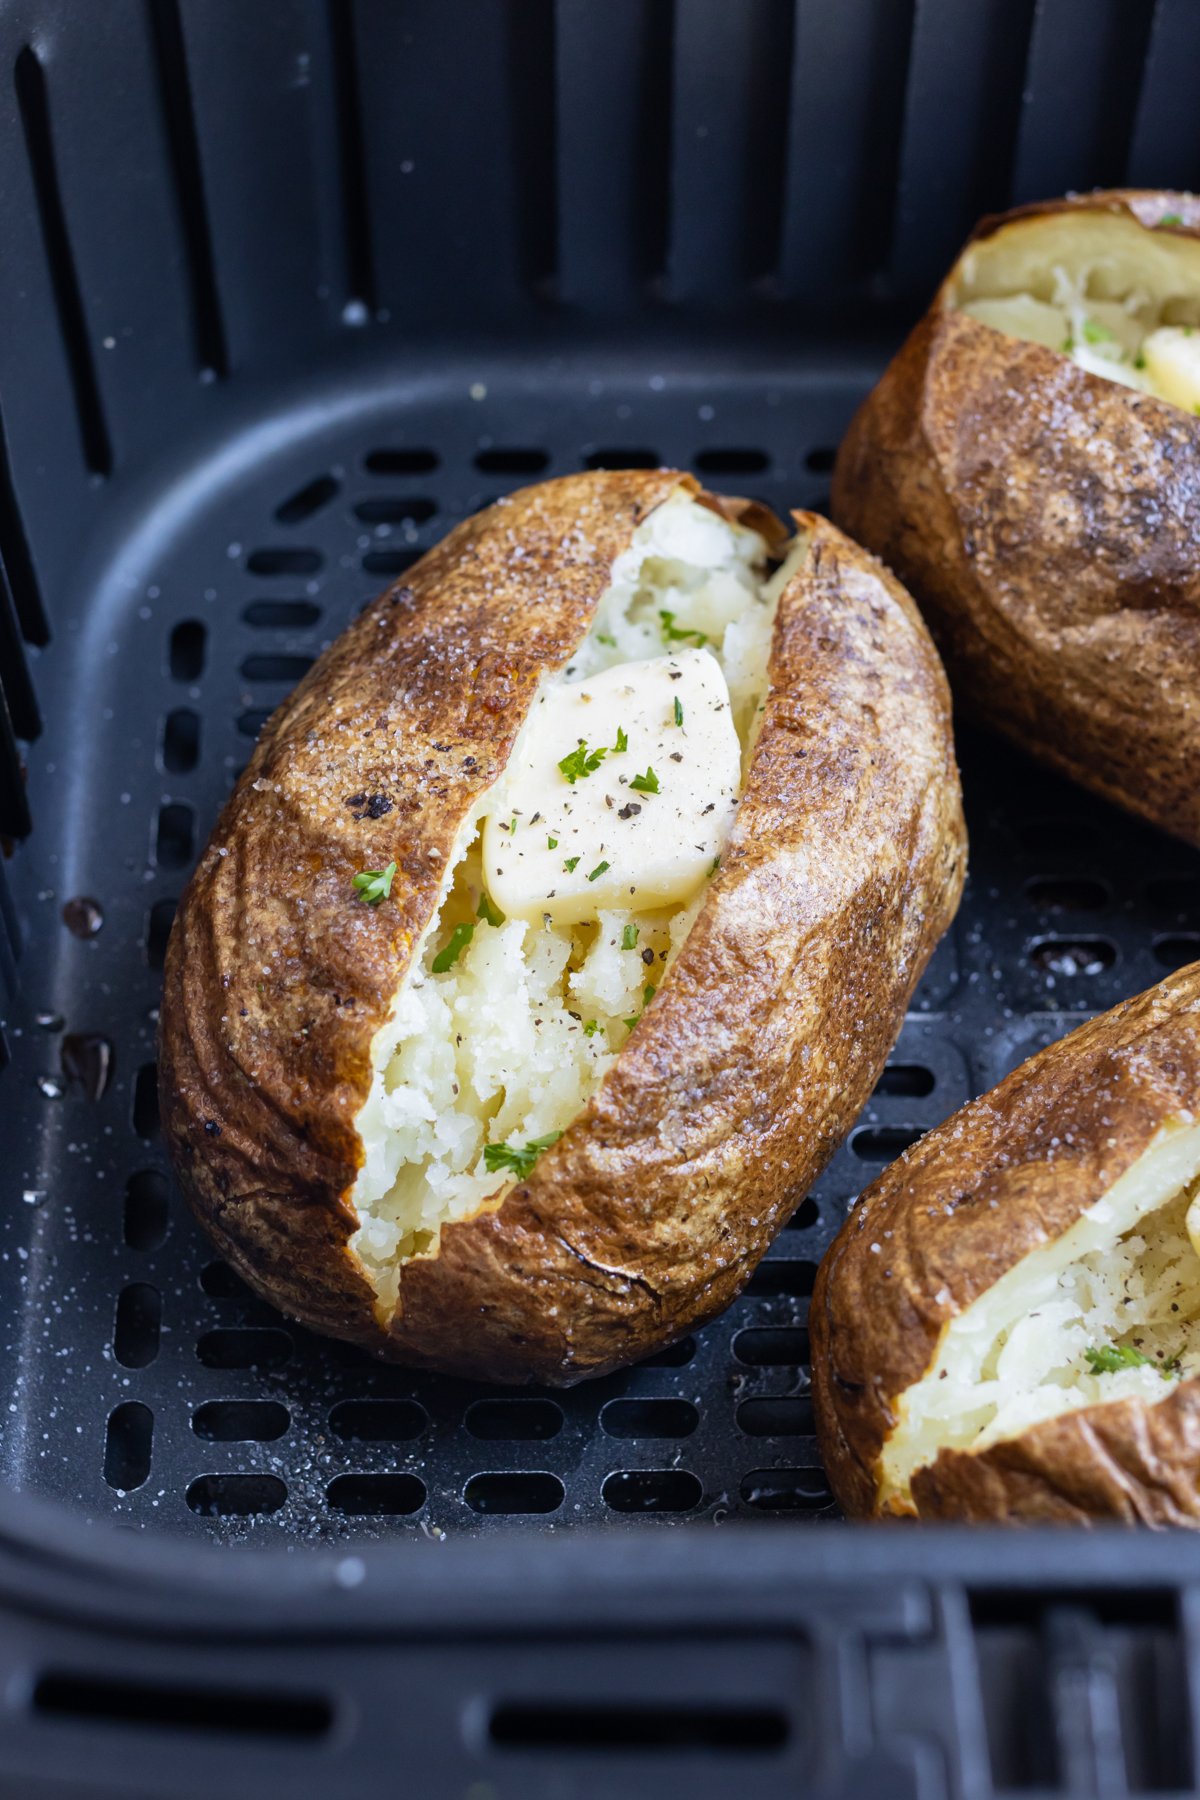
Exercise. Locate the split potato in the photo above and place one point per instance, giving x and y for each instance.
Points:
(1007, 1328)
(1029, 465)
(559, 928)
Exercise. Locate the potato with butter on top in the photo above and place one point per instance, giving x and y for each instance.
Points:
(1029, 466)
(1007, 1328)
(559, 928)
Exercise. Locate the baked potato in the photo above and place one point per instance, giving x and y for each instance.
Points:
(559, 927)
(1007, 1328)
(1029, 465)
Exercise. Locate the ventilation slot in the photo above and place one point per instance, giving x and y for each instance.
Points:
(185, 653)
(805, 1216)
(652, 1491)
(785, 1416)
(1071, 957)
(307, 500)
(649, 1418)
(882, 1143)
(22, 580)
(732, 462)
(1067, 894)
(276, 560)
(623, 459)
(378, 1421)
(146, 1209)
(532, 80)
(248, 1347)
(513, 1421)
(671, 1356)
(127, 1446)
(401, 462)
(767, 1347)
(782, 1277)
(786, 1490)
(512, 462)
(138, 1324)
(376, 1496)
(911, 1081)
(356, 213)
(700, 1727)
(35, 120)
(281, 615)
(241, 1421)
(1176, 951)
(159, 921)
(180, 741)
(251, 722)
(145, 1101)
(174, 839)
(514, 1493)
(390, 562)
(820, 459)
(276, 668)
(219, 1282)
(394, 509)
(235, 1496)
(179, 124)
(207, 1711)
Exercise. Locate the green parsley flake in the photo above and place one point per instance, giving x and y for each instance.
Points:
(570, 863)
(460, 937)
(713, 866)
(629, 937)
(1139, 361)
(602, 637)
(598, 871)
(1095, 333)
(591, 1028)
(1068, 345)
(581, 761)
(622, 742)
(678, 711)
(673, 634)
(648, 993)
(551, 843)
(1171, 219)
(1111, 1357)
(517, 1161)
(374, 885)
(485, 910)
(647, 783)
(631, 1022)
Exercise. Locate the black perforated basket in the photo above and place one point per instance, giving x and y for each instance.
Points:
(286, 288)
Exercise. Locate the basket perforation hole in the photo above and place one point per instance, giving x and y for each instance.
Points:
(244, 1347)
(145, 1101)
(174, 835)
(181, 741)
(241, 1421)
(138, 1325)
(378, 1421)
(219, 1282)
(401, 462)
(649, 1418)
(911, 1081)
(783, 1276)
(732, 461)
(514, 1491)
(512, 461)
(185, 650)
(390, 562)
(651, 1490)
(882, 1143)
(513, 1420)
(281, 615)
(671, 1356)
(785, 1490)
(281, 559)
(1074, 956)
(307, 500)
(275, 667)
(805, 1215)
(395, 509)
(251, 722)
(128, 1443)
(772, 1347)
(820, 459)
(235, 1496)
(622, 459)
(159, 921)
(376, 1496)
(1067, 893)
(1177, 949)
(246, 1713)
(789, 1415)
(146, 1209)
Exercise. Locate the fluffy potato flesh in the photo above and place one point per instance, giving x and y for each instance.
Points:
(1108, 1311)
(505, 1026)
(1121, 299)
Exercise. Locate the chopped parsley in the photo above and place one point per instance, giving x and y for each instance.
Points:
(581, 761)
(517, 1161)
(551, 843)
(1068, 345)
(570, 863)
(648, 993)
(446, 958)
(629, 937)
(713, 866)
(1171, 219)
(374, 885)
(645, 784)
(632, 1021)
(678, 711)
(598, 871)
(622, 742)
(602, 637)
(591, 1028)
(1111, 1357)
(1139, 361)
(485, 910)
(1095, 333)
(673, 634)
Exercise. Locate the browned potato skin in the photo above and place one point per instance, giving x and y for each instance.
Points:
(844, 868)
(1048, 523)
(1013, 1168)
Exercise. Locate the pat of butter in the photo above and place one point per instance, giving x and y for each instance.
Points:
(1172, 358)
(571, 847)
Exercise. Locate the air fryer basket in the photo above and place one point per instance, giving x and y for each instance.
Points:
(287, 288)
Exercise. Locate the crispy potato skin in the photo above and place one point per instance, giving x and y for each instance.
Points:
(844, 868)
(1048, 523)
(1009, 1171)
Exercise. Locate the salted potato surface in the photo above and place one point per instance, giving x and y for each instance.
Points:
(538, 1146)
(1029, 465)
(1007, 1328)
